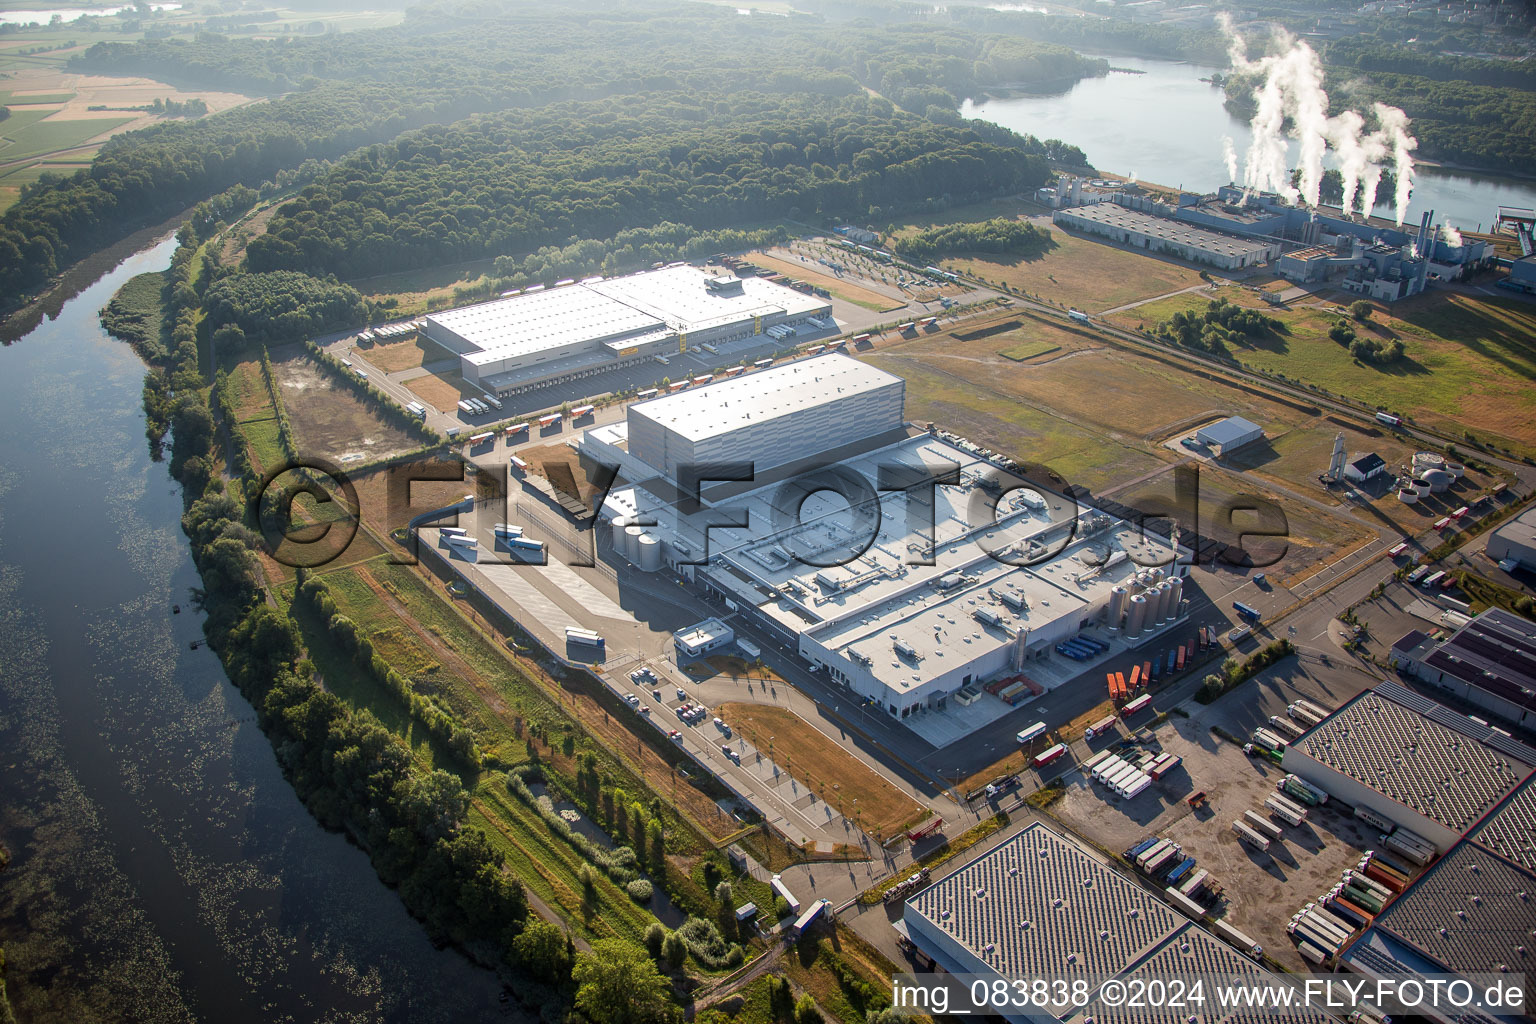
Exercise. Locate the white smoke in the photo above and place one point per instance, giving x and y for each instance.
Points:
(1450, 234)
(1229, 157)
(1292, 91)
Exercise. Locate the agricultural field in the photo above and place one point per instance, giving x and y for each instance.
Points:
(836, 776)
(1469, 363)
(1075, 272)
(328, 418)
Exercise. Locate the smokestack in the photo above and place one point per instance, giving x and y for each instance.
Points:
(1422, 243)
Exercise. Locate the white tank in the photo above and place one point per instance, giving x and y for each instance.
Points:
(1408, 496)
(1456, 469)
(1439, 480)
(1175, 595)
(618, 525)
(649, 546)
(1427, 460)
(1136, 617)
(1165, 601)
(1117, 601)
(632, 543)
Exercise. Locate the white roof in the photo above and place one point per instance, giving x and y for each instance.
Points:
(537, 321)
(680, 297)
(782, 390)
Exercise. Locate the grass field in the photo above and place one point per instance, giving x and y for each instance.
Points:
(44, 137)
(836, 776)
(1469, 364)
(403, 355)
(1076, 272)
(1028, 350)
(21, 99)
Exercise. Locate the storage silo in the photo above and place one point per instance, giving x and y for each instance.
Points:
(617, 526)
(632, 543)
(1117, 601)
(1456, 469)
(1176, 595)
(1164, 601)
(649, 546)
(1427, 460)
(1408, 496)
(1136, 617)
(1439, 480)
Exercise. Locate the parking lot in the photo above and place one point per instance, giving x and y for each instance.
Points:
(1261, 890)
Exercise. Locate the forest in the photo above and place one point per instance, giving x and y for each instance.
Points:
(337, 92)
(514, 182)
(999, 235)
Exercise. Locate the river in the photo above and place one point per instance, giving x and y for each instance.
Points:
(163, 869)
(1165, 126)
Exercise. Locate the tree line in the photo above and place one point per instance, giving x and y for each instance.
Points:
(998, 235)
(516, 181)
(341, 91)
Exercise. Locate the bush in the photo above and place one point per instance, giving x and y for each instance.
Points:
(708, 946)
(640, 890)
(1342, 333)
(1361, 310)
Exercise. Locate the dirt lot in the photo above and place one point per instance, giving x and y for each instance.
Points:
(835, 776)
(329, 419)
(405, 355)
(1262, 890)
(440, 390)
(843, 288)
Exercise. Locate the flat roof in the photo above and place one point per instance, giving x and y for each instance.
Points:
(680, 297)
(1205, 239)
(1420, 754)
(1495, 652)
(1233, 428)
(538, 321)
(1468, 913)
(778, 391)
(1522, 528)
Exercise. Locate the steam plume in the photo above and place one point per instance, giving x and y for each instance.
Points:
(1229, 157)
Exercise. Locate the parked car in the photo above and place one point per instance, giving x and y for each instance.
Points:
(634, 701)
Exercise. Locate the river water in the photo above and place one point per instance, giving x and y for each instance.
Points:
(1165, 126)
(163, 869)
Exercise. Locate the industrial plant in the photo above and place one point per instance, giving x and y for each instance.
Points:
(908, 566)
(542, 334)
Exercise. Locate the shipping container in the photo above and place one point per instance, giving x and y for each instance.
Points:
(1261, 824)
(1166, 766)
(1250, 837)
(1374, 819)
(1031, 733)
(1152, 851)
(1050, 754)
(1285, 810)
(583, 637)
(1131, 790)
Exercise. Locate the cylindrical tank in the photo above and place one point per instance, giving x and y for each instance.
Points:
(1176, 595)
(1164, 601)
(1155, 575)
(632, 542)
(1117, 600)
(1439, 480)
(1408, 496)
(649, 546)
(1136, 617)
(618, 526)
(1427, 460)
(1456, 469)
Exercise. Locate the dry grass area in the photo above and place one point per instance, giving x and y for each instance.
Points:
(835, 775)
(440, 390)
(405, 355)
(840, 287)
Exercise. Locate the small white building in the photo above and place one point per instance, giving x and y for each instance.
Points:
(1364, 468)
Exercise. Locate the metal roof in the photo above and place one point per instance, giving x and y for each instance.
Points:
(1495, 652)
(1469, 912)
(1420, 754)
(1039, 905)
(1228, 431)
(1511, 829)
(1367, 463)
(1521, 529)
(1204, 239)
(538, 321)
(782, 390)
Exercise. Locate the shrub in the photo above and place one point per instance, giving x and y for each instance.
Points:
(640, 890)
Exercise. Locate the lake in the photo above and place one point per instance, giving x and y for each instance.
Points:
(68, 14)
(1165, 126)
(163, 869)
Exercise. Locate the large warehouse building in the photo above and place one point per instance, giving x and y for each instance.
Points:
(548, 333)
(1042, 906)
(1141, 230)
(906, 593)
(1490, 663)
(1515, 541)
(1413, 761)
(769, 418)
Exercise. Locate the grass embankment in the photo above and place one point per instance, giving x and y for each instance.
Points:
(836, 776)
(951, 848)
(1468, 367)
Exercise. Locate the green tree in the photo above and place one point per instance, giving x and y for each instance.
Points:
(544, 951)
(655, 938)
(618, 984)
(806, 1011)
(675, 949)
(1361, 310)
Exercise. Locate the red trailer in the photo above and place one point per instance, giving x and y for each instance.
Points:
(1180, 663)
(933, 828)
(1146, 673)
(1050, 754)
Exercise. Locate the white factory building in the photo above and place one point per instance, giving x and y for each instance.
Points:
(904, 593)
(545, 333)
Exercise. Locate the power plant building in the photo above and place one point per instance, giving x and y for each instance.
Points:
(1152, 233)
(904, 565)
(548, 333)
